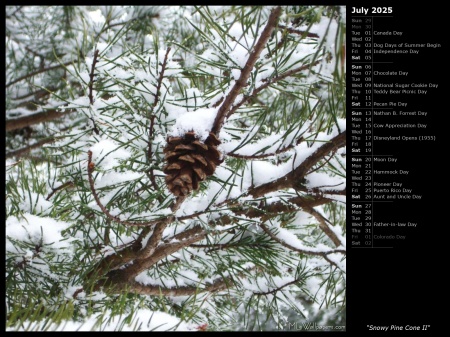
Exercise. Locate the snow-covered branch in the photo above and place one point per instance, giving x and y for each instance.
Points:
(293, 179)
(226, 106)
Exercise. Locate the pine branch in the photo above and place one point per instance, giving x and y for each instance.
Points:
(303, 251)
(324, 163)
(323, 225)
(293, 178)
(152, 117)
(15, 12)
(138, 288)
(271, 292)
(185, 234)
(160, 253)
(21, 152)
(318, 191)
(91, 88)
(269, 210)
(268, 83)
(246, 71)
(44, 116)
(154, 240)
(54, 190)
(115, 261)
(92, 76)
(38, 72)
(292, 31)
(124, 256)
(36, 95)
(223, 246)
(127, 274)
(303, 33)
(109, 26)
(266, 212)
(160, 79)
(265, 155)
(90, 170)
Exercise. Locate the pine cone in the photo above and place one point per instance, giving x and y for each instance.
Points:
(190, 161)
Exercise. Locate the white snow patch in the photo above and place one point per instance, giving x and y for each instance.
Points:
(200, 121)
(38, 230)
(107, 153)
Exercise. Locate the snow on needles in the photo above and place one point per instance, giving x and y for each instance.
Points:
(38, 230)
(108, 153)
(200, 121)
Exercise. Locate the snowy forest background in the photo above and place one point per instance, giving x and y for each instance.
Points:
(175, 168)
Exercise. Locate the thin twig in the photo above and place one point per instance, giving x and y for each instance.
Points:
(299, 32)
(109, 26)
(91, 88)
(90, 170)
(270, 209)
(24, 150)
(169, 262)
(303, 251)
(318, 191)
(139, 265)
(292, 31)
(54, 190)
(265, 155)
(36, 94)
(78, 291)
(153, 116)
(274, 80)
(139, 288)
(38, 72)
(155, 103)
(323, 164)
(222, 246)
(91, 77)
(276, 289)
(323, 226)
(15, 12)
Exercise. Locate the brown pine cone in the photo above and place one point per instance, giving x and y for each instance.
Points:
(190, 161)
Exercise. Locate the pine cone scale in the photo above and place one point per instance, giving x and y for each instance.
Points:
(187, 158)
(200, 158)
(200, 145)
(184, 147)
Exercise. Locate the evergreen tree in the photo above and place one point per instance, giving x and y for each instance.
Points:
(175, 167)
